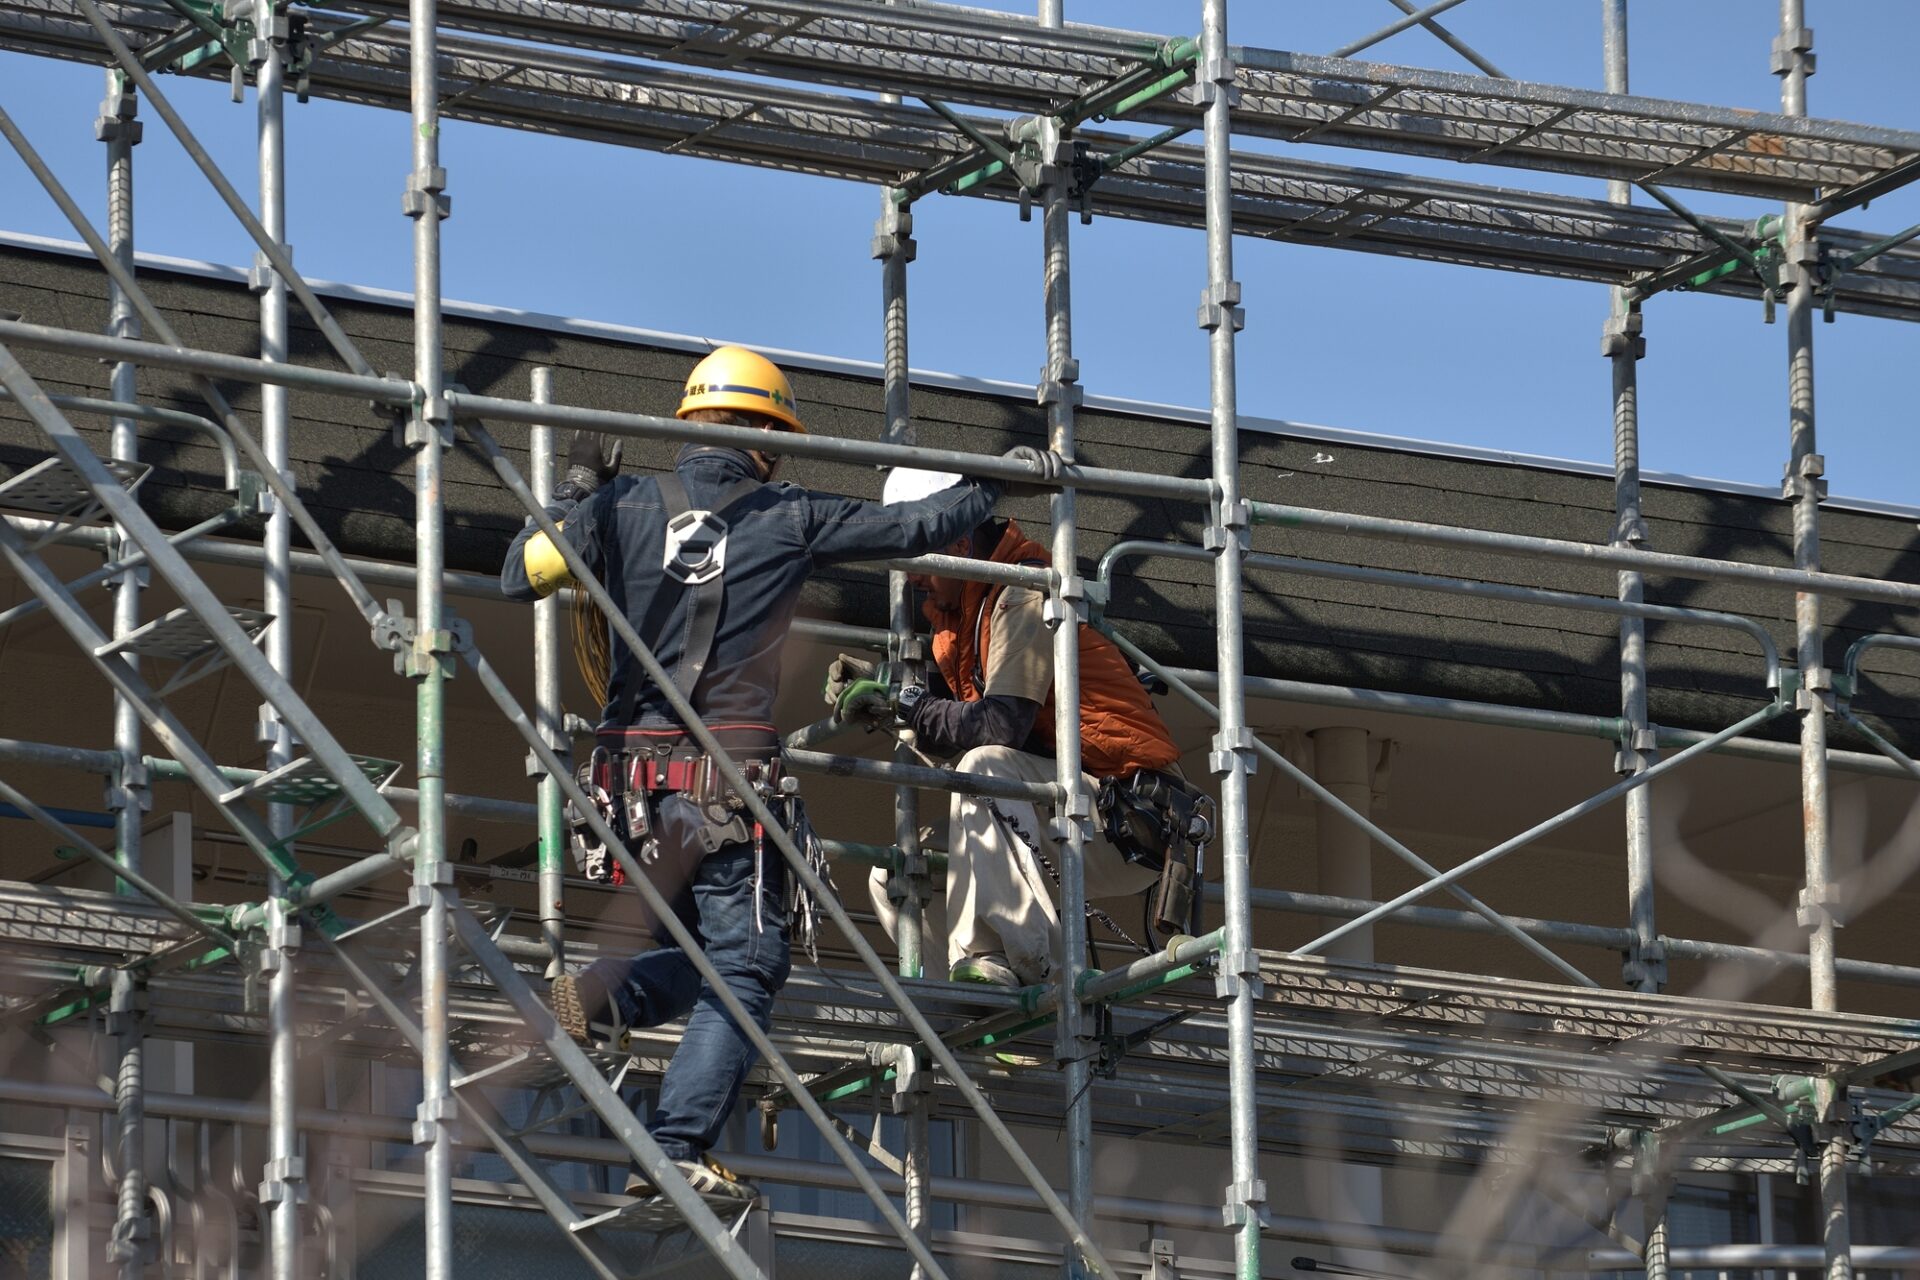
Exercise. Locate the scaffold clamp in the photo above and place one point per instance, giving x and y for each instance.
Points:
(1245, 1202)
(432, 1113)
(285, 1182)
(1220, 304)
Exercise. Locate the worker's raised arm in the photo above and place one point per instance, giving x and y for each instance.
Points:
(582, 503)
(843, 529)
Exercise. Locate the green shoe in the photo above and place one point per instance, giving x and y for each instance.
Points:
(986, 970)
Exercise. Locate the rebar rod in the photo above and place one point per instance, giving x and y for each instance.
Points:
(1623, 345)
(549, 712)
(736, 782)
(1232, 759)
(128, 795)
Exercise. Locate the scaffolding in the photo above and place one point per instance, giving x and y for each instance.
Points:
(1639, 1081)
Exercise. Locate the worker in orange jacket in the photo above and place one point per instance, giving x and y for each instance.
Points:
(994, 651)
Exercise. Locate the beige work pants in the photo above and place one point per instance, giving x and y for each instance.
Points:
(999, 901)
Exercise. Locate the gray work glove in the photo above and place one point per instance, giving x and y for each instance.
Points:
(592, 460)
(842, 672)
(1046, 466)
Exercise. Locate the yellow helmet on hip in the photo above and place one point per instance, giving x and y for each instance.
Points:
(546, 568)
(736, 378)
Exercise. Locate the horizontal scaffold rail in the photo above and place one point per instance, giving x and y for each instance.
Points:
(1418, 1063)
(1010, 62)
(686, 111)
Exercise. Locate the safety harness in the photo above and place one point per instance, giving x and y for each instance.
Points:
(632, 769)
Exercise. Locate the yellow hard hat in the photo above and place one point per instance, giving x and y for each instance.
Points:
(736, 378)
(546, 568)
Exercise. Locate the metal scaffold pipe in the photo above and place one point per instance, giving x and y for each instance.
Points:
(431, 649)
(549, 713)
(283, 1183)
(1059, 391)
(128, 794)
(1623, 345)
(1232, 758)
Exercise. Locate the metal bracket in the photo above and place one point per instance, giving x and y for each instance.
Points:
(116, 122)
(1237, 972)
(1220, 304)
(893, 233)
(430, 1113)
(1644, 963)
(1621, 336)
(1231, 754)
(431, 414)
(1245, 1201)
(286, 1181)
(1791, 48)
(1211, 76)
(426, 190)
(1811, 908)
(260, 277)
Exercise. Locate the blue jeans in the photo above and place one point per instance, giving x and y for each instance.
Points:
(713, 896)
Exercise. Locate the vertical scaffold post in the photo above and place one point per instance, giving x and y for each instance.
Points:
(1059, 391)
(283, 1185)
(1231, 759)
(431, 652)
(908, 885)
(128, 795)
(1804, 486)
(1623, 344)
(549, 714)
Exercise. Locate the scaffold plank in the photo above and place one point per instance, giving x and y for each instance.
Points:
(1279, 198)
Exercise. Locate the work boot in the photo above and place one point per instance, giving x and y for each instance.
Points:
(986, 970)
(706, 1176)
(580, 1000)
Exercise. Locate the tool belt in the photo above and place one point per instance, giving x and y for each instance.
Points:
(627, 783)
(1160, 821)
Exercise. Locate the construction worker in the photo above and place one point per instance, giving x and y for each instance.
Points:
(707, 563)
(994, 651)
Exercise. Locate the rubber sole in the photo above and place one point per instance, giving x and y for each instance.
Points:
(567, 1010)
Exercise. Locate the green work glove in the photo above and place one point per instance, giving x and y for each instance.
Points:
(842, 672)
(865, 702)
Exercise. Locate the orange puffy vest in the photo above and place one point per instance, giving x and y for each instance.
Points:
(1119, 729)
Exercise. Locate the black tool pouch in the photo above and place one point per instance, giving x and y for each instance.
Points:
(1156, 820)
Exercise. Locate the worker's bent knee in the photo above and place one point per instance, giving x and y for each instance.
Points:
(995, 761)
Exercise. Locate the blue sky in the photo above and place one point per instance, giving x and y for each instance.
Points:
(1343, 339)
